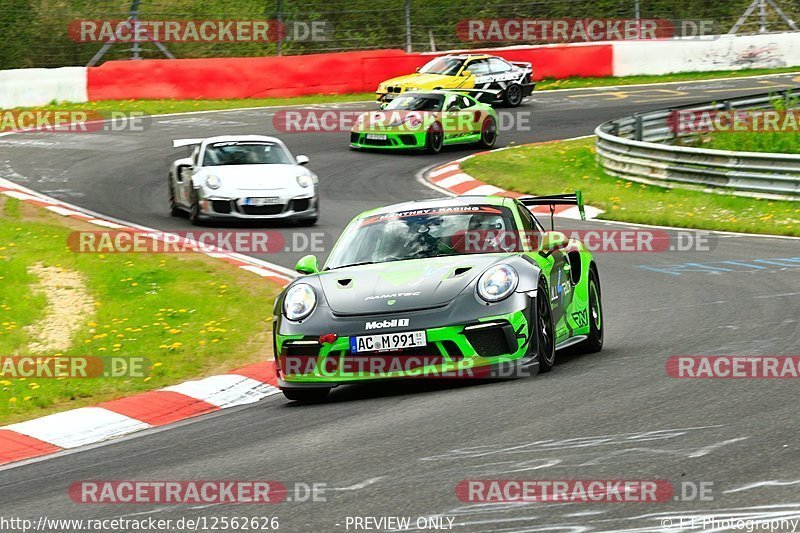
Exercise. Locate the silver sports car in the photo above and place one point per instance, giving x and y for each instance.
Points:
(242, 176)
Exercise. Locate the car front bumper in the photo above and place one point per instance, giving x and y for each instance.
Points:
(393, 141)
(458, 347)
(288, 208)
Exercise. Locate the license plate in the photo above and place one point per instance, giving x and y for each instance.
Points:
(386, 342)
(257, 202)
(376, 136)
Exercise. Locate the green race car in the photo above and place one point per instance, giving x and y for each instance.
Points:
(428, 120)
(449, 288)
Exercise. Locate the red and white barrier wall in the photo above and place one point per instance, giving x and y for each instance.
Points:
(361, 71)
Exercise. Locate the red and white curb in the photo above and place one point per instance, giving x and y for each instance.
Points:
(452, 179)
(88, 425)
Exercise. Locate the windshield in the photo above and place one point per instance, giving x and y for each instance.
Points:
(426, 102)
(420, 234)
(448, 66)
(246, 153)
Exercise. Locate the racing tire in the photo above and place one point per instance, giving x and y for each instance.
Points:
(545, 338)
(513, 95)
(306, 395)
(194, 209)
(488, 133)
(594, 342)
(434, 139)
(174, 210)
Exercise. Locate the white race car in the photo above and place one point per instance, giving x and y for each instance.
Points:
(242, 176)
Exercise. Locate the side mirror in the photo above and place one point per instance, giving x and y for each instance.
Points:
(419, 68)
(466, 73)
(554, 240)
(301, 159)
(307, 265)
(384, 104)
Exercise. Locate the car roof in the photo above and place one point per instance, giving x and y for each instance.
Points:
(469, 56)
(238, 138)
(436, 203)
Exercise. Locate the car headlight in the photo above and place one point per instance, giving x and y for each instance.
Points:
(300, 300)
(304, 180)
(213, 182)
(497, 283)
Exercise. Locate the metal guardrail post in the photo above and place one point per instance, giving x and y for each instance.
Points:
(639, 126)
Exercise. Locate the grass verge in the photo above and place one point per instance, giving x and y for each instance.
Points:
(189, 315)
(159, 107)
(565, 166)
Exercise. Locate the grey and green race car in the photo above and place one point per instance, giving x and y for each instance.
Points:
(428, 120)
(448, 288)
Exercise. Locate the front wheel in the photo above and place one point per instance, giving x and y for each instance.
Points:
(194, 209)
(594, 343)
(434, 139)
(545, 339)
(306, 395)
(488, 132)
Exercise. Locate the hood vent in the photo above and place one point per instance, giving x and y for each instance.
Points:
(460, 271)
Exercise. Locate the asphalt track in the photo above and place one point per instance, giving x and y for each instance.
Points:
(399, 449)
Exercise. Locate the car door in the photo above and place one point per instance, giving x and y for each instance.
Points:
(556, 269)
(478, 69)
(184, 177)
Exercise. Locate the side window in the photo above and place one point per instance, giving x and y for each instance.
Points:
(479, 67)
(452, 103)
(464, 102)
(195, 154)
(530, 226)
(498, 65)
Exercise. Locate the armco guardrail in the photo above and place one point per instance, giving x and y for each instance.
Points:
(641, 148)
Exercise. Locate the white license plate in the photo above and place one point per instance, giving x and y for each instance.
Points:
(386, 342)
(376, 136)
(257, 202)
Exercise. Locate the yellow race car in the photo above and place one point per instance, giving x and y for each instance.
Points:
(512, 81)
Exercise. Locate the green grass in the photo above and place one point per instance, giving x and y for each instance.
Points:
(189, 315)
(775, 142)
(565, 166)
(158, 107)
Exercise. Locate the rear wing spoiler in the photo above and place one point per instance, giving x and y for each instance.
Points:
(178, 143)
(554, 200)
(478, 93)
(522, 64)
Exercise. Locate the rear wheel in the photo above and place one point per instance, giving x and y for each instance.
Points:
(488, 132)
(174, 210)
(545, 339)
(434, 139)
(594, 343)
(513, 95)
(306, 395)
